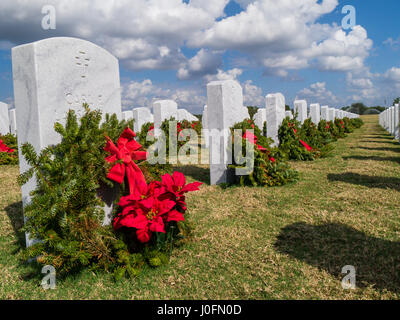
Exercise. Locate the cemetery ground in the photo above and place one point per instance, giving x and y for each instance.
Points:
(286, 242)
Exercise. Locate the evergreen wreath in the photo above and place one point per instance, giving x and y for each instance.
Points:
(269, 169)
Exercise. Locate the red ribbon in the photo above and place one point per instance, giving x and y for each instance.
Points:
(301, 141)
(123, 155)
(253, 140)
(305, 145)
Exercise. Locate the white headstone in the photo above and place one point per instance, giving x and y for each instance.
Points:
(325, 113)
(4, 119)
(204, 124)
(260, 118)
(142, 116)
(337, 114)
(396, 122)
(315, 112)
(127, 115)
(224, 107)
(392, 121)
(52, 76)
(163, 110)
(275, 106)
(332, 114)
(289, 114)
(13, 121)
(300, 106)
(183, 114)
(243, 114)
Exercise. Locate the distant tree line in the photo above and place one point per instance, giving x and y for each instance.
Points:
(361, 109)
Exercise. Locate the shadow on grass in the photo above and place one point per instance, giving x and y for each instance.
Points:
(375, 158)
(197, 173)
(16, 215)
(30, 270)
(332, 246)
(367, 181)
(379, 136)
(396, 149)
(395, 142)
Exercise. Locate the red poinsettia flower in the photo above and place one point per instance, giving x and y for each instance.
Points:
(149, 217)
(176, 184)
(4, 148)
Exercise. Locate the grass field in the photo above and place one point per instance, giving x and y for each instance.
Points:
(258, 243)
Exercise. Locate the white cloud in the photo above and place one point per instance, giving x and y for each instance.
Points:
(142, 94)
(203, 63)
(144, 34)
(393, 74)
(318, 93)
(284, 35)
(149, 34)
(231, 74)
(252, 95)
(393, 43)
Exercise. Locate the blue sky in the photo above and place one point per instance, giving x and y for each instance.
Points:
(296, 47)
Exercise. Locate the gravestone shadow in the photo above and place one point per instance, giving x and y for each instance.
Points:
(367, 181)
(379, 136)
(332, 246)
(396, 149)
(15, 213)
(201, 174)
(381, 141)
(375, 158)
(30, 269)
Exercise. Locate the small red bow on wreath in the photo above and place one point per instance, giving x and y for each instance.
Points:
(253, 140)
(122, 156)
(301, 141)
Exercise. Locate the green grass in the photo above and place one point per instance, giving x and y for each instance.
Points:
(257, 243)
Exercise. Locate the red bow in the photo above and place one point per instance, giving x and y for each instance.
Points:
(4, 148)
(301, 141)
(253, 140)
(123, 157)
(306, 145)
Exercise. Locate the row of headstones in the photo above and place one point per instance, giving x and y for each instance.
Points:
(225, 108)
(163, 110)
(55, 75)
(389, 120)
(8, 120)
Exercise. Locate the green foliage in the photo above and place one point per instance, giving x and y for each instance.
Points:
(177, 142)
(6, 158)
(357, 122)
(317, 137)
(252, 111)
(146, 139)
(269, 170)
(289, 137)
(65, 212)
